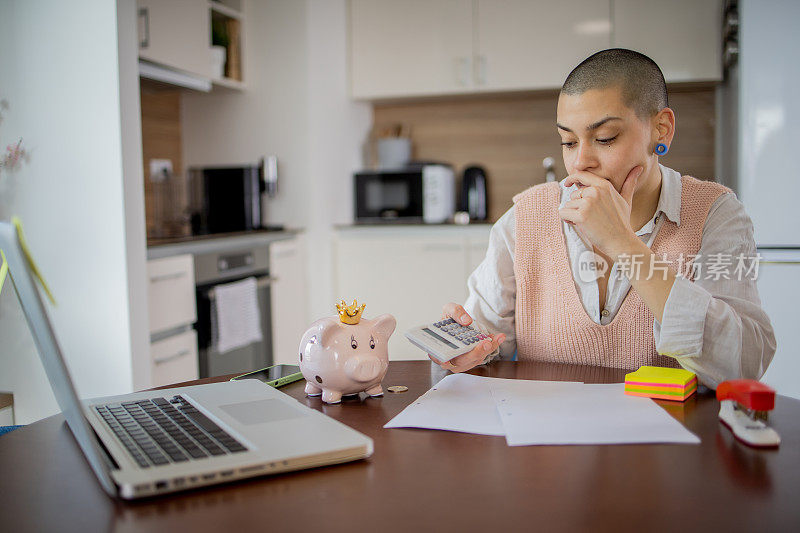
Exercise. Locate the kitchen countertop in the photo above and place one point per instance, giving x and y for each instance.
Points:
(382, 225)
(223, 242)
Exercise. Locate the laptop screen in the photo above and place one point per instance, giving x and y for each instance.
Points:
(50, 353)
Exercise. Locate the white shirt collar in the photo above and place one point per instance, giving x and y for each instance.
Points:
(669, 201)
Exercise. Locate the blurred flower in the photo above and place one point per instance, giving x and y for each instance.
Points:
(15, 154)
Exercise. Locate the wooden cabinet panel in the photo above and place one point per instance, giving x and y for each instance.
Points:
(413, 47)
(533, 44)
(684, 36)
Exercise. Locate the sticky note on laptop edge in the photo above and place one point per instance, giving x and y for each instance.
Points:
(661, 383)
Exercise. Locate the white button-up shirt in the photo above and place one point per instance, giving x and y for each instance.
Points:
(714, 326)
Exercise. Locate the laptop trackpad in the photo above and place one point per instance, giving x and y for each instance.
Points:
(261, 411)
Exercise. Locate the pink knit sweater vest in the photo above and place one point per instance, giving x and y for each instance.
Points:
(551, 323)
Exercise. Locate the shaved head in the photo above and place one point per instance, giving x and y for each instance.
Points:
(637, 76)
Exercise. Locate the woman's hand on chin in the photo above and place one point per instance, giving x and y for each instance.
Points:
(601, 213)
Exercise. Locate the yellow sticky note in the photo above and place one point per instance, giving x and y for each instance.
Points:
(661, 376)
(664, 383)
(28, 257)
(3, 270)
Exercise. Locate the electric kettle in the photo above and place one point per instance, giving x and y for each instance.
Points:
(474, 195)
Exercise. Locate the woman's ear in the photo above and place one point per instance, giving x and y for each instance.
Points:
(664, 126)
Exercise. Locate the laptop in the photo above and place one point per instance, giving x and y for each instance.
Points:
(156, 442)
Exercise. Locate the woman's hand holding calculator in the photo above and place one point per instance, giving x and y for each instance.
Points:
(473, 358)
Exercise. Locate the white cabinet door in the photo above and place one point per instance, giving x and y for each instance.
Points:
(288, 299)
(410, 277)
(171, 292)
(683, 36)
(174, 359)
(176, 33)
(779, 292)
(410, 47)
(533, 44)
(477, 245)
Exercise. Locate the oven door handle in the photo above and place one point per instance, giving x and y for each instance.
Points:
(265, 281)
(261, 283)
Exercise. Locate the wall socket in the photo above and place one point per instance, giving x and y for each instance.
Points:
(160, 169)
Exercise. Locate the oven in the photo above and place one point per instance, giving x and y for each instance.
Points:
(213, 269)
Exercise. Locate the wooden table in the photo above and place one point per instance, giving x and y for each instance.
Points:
(435, 480)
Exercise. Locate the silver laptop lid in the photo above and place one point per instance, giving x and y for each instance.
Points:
(49, 351)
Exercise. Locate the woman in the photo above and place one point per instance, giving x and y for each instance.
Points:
(624, 263)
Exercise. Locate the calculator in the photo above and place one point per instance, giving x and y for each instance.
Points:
(445, 339)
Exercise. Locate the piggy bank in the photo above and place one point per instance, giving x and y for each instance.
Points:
(346, 354)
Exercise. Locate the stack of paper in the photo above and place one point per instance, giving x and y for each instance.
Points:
(542, 412)
(663, 383)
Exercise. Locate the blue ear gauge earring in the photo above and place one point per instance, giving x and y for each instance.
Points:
(661, 149)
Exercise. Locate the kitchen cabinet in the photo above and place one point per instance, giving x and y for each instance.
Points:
(407, 272)
(533, 44)
(777, 287)
(174, 359)
(171, 292)
(173, 310)
(288, 299)
(684, 36)
(413, 47)
(176, 34)
(438, 47)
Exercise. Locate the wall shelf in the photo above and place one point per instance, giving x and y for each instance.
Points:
(228, 83)
(222, 9)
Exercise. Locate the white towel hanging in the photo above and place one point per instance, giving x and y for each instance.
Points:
(235, 316)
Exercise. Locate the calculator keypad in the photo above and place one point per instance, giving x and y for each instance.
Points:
(464, 334)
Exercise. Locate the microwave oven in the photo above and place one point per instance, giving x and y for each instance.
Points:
(424, 193)
(225, 199)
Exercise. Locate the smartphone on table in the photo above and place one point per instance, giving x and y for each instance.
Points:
(276, 375)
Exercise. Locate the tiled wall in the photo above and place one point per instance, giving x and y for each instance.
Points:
(161, 139)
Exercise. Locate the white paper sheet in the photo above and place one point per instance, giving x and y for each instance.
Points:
(536, 412)
(459, 402)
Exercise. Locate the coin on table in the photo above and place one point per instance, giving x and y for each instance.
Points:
(398, 388)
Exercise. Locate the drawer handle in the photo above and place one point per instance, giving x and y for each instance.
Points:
(263, 282)
(165, 277)
(172, 357)
(266, 281)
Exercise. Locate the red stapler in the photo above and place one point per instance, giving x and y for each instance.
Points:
(744, 407)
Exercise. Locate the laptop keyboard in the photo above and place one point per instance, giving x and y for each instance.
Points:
(159, 431)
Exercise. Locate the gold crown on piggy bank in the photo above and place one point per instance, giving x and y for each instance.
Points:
(350, 314)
